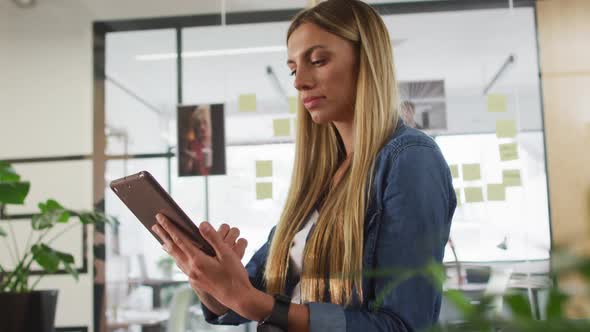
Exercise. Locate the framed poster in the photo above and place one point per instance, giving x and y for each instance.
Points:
(201, 140)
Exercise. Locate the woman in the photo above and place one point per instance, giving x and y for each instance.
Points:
(367, 194)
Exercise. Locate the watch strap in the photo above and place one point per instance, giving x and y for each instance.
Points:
(280, 312)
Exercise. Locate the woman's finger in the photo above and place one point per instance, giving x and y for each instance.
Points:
(178, 256)
(240, 247)
(162, 234)
(223, 230)
(199, 261)
(169, 246)
(209, 233)
(177, 236)
(232, 236)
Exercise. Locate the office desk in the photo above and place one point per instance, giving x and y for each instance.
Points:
(156, 285)
(534, 283)
(149, 321)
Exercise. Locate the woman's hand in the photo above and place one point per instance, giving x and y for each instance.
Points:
(221, 277)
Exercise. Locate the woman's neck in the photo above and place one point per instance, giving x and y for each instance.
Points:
(345, 130)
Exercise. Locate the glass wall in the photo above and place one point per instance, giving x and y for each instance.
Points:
(471, 78)
(227, 64)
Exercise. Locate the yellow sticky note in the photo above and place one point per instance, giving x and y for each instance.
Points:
(505, 128)
(496, 192)
(263, 168)
(454, 171)
(473, 195)
(292, 104)
(263, 190)
(511, 178)
(282, 127)
(508, 151)
(458, 195)
(496, 103)
(471, 172)
(247, 103)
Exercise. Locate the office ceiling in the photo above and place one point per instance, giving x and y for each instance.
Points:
(116, 9)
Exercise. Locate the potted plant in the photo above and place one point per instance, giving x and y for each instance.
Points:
(23, 307)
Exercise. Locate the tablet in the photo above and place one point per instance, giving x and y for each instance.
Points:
(144, 196)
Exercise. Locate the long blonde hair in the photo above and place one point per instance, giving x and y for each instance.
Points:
(335, 247)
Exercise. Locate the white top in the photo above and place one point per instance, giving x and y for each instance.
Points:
(296, 253)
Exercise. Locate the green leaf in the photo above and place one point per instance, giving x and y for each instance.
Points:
(64, 217)
(50, 259)
(554, 308)
(71, 270)
(460, 301)
(68, 263)
(14, 192)
(86, 218)
(53, 205)
(96, 218)
(64, 258)
(21, 283)
(7, 173)
(519, 305)
(2, 232)
(46, 257)
(436, 273)
(584, 268)
(42, 221)
(50, 205)
(51, 212)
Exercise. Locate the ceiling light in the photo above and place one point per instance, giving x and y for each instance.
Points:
(226, 52)
(25, 3)
(209, 53)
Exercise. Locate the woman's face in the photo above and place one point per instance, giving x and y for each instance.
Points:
(204, 127)
(325, 69)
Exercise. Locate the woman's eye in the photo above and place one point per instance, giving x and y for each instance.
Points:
(315, 63)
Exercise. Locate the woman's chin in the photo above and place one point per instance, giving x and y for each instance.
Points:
(317, 117)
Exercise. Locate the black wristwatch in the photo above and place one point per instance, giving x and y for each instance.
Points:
(278, 318)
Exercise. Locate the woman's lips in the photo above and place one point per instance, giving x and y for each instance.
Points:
(312, 102)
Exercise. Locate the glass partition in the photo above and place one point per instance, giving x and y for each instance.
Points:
(467, 78)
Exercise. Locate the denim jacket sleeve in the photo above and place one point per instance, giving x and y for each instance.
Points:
(255, 268)
(417, 204)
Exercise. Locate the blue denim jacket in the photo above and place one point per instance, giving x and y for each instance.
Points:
(407, 225)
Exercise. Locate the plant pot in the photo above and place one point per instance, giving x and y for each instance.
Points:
(28, 312)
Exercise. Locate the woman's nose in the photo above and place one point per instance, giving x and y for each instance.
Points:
(303, 80)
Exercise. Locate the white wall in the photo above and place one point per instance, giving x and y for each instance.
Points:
(46, 107)
(46, 66)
